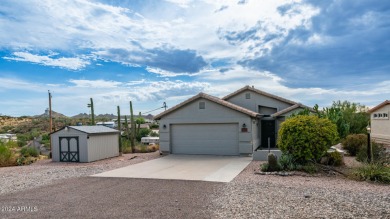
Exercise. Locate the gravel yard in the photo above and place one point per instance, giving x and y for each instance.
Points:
(44, 172)
(248, 196)
(267, 196)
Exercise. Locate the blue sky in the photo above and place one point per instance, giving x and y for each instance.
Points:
(152, 52)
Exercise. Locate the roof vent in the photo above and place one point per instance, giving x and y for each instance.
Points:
(253, 86)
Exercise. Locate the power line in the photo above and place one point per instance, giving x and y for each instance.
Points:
(164, 106)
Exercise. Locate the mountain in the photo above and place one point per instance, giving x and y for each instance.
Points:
(53, 114)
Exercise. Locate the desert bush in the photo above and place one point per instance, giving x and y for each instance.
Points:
(334, 158)
(6, 156)
(378, 151)
(287, 162)
(306, 138)
(373, 172)
(29, 152)
(354, 143)
(309, 168)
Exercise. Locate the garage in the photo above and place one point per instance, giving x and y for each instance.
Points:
(212, 139)
(84, 143)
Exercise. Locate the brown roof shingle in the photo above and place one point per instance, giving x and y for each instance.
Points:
(288, 109)
(379, 106)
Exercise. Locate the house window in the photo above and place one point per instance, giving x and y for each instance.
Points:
(380, 115)
(202, 105)
(247, 95)
(385, 115)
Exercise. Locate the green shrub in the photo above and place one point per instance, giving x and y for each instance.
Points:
(353, 143)
(6, 156)
(29, 152)
(334, 158)
(373, 172)
(264, 167)
(273, 164)
(306, 137)
(287, 162)
(378, 152)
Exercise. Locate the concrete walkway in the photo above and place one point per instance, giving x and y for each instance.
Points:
(184, 167)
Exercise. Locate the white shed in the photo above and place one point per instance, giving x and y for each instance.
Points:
(84, 143)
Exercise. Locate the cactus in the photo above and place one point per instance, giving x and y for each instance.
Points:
(272, 162)
(119, 129)
(132, 128)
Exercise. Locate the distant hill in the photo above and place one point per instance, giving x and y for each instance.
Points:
(80, 116)
(53, 114)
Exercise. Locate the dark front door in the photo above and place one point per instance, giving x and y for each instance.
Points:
(69, 149)
(268, 133)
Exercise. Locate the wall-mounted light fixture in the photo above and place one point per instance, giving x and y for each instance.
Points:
(244, 125)
(164, 126)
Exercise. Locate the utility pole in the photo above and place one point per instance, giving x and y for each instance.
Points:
(165, 106)
(50, 122)
(92, 111)
(50, 118)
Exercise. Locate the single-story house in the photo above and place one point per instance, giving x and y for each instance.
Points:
(241, 123)
(84, 143)
(380, 123)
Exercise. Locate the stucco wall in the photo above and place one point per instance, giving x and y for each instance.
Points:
(257, 100)
(213, 113)
(380, 128)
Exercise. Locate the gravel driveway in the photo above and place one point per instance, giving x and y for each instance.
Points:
(247, 196)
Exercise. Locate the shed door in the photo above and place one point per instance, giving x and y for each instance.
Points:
(69, 149)
(213, 139)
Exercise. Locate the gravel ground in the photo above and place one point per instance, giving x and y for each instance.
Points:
(266, 196)
(67, 194)
(44, 172)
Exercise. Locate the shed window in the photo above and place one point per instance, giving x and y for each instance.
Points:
(247, 95)
(202, 105)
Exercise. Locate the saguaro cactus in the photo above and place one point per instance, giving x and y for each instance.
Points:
(132, 139)
(92, 112)
(119, 129)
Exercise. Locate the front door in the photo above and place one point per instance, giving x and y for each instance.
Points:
(268, 133)
(69, 149)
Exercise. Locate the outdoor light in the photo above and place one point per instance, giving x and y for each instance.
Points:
(368, 128)
(369, 149)
(164, 126)
(244, 125)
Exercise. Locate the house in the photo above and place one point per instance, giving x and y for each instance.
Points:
(84, 143)
(380, 123)
(244, 122)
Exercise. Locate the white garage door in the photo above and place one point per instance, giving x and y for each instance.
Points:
(217, 139)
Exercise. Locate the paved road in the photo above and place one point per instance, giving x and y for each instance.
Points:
(96, 197)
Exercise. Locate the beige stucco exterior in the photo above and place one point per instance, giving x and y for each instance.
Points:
(212, 114)
(380, 127)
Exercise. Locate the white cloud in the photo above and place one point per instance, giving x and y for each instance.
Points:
(95, 83)
(69, 63)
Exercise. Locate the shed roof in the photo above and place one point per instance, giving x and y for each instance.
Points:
(288, 109)
(379, 106)
(212, 99)
(259, 92)
(94, 130)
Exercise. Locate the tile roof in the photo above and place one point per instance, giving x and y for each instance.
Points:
(288, 109)
(379, 106)
(210, 98)
(259, 92)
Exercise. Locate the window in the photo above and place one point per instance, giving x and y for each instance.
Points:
(385, 115)
(247, 95)
(375, 115)
(380, 115)
(202, 105)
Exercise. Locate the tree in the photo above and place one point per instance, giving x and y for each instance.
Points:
(140, 120)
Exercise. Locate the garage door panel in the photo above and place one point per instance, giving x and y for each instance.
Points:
(218, 139)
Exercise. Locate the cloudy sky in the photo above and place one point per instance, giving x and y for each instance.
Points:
(159, 51)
